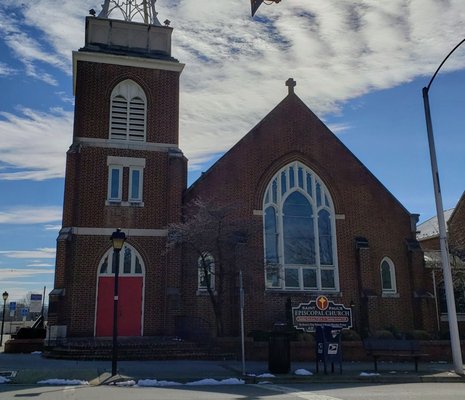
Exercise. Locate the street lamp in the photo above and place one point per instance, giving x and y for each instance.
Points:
(5, 297)
(117, 240)
(257, 3)
(448, 284)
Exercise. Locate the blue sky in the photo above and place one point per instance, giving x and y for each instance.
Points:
(359, 65)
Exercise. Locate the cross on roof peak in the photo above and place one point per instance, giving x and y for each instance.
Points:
(291, 83)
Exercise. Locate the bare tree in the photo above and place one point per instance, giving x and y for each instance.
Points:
(210, 233)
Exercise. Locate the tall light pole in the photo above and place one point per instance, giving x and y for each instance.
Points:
(448, 284)
(257, 3)
(117, 239)
(5, 297)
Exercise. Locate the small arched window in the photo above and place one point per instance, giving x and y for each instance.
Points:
(128, 112)
(299, 232)
(388, 276)
(206, 273)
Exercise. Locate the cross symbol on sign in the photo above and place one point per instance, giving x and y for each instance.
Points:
(322, 302)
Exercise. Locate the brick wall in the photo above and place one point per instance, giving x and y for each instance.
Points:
(456, 225)
(292, 132)
(94, 84)
(86, 183)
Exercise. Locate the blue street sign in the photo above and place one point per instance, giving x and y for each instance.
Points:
(12, 305)
(24, 312)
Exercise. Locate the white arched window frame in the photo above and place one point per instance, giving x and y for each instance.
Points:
(299, 232)
(130, 263)
(388, 276)
(128, 114)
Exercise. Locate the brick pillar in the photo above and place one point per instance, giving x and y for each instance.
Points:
(369, 319)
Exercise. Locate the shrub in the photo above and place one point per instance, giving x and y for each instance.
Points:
(349, 335)
(259, 336)
(418, 335)
(305, 337)
(383, 334)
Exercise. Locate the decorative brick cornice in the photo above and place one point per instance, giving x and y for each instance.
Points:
(126, 145)
(82, 231)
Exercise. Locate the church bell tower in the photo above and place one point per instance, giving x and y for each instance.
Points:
(124, 170)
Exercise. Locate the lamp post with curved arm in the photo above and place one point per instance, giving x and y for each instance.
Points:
(448, 284)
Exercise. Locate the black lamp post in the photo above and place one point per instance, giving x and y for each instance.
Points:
(5, 297)
(257, 3)
(117, 240)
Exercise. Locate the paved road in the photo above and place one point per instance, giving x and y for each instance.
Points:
(411, 391)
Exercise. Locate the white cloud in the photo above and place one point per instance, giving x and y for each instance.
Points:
(5, 70)
(45, 252)
(38, 265)
(52, 227)
(48, 136)
(31, 215)
(236, 66)
(8, 274)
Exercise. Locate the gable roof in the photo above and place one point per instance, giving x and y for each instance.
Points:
(290, 101)
(430, 228)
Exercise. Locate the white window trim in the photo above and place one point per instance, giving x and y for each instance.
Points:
(312, 198)
(126, 162)
(392, 273)
(141, 185)
(120, 183)
(134, 254)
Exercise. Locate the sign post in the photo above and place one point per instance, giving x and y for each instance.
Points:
(36, 303)
(24, 313)
(12, 308)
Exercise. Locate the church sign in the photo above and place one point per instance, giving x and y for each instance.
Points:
(307, 316)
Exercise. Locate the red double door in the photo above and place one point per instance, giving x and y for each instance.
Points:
(129, 306)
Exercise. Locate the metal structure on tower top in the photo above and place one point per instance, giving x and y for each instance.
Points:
(131, 10)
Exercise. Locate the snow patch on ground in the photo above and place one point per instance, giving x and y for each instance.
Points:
(266, 375)
(4, 380)
(369, 374)
(126, 383)
(302, 372)
(63, 382)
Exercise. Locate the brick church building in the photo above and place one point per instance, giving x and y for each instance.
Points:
(319, 221)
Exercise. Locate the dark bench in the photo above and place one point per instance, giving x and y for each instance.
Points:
(391, 348)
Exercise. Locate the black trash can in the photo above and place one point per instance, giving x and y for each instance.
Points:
(279, 350)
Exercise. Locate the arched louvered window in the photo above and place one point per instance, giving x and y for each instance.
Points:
(128, 112)
(299, 232)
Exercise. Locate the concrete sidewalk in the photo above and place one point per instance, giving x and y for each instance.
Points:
(32, 368)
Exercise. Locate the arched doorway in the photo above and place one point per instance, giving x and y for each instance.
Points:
(130, 294)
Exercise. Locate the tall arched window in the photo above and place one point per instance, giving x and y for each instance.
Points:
(299, 232)
(388, 276)
(128, 112)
